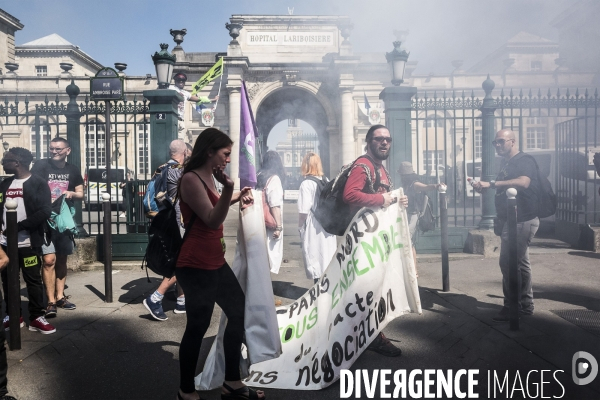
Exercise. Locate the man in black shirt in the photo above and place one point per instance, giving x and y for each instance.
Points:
(518, 171)
(62, 178)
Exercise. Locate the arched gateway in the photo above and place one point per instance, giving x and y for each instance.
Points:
(295, 67)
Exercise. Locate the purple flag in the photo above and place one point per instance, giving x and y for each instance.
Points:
(248, 134)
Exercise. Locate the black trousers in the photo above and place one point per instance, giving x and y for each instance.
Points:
(30, 263)
(203, 288)
(3, 363)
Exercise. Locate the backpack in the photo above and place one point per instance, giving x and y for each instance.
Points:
(156, 191)
(165, 242)
(320, 185)
(61, 217)
(332, 212)
(426, 221)
(547, 200)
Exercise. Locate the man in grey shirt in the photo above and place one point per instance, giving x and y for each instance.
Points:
(179, 152)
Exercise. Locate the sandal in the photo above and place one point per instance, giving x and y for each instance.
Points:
(178, 396)
(243, 393)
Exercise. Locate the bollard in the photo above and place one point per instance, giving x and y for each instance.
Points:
(514, 275)
(107, 223)
(14, 289)
(444, 236)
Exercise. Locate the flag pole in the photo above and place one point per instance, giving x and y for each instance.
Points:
(220, 84)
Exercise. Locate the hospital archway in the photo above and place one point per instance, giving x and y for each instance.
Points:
(293, 103)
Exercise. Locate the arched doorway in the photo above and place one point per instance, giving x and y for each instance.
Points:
(289, 103)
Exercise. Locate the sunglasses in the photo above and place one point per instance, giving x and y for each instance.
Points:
(380, 139)
(500, 142)
(56, 149)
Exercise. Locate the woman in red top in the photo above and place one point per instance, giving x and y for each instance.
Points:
(201, 270)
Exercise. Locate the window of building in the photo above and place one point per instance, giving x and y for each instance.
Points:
(433, 123)
(537, 137)
(535, 120)
(143, 147)
(45, 138)
(536, 66)
(41, 70)
(431, 159)
(477, 141)
(95, 146)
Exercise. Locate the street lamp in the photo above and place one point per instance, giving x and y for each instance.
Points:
(163, 62)
(397, 59)
(6, 146)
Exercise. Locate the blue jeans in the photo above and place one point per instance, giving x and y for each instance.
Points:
(525, 232)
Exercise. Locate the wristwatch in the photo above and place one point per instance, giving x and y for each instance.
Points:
(493, 184)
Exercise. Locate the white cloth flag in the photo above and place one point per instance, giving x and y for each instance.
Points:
(370, 281)
(262, 335)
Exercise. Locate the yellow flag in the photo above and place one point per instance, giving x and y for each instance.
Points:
(214, 72)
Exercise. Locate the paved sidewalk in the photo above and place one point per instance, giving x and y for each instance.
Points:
(116, 351)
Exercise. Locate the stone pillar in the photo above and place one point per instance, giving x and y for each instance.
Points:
(163, 123)
(397, 100)
(74, 137)
(347, 122)
(488, 154)
(234, 131)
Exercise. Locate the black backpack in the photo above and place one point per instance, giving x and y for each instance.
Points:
(332, 212)
(321, 183)
(165, 242)
(426, 221)
(547, 200)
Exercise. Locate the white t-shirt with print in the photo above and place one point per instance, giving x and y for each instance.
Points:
(15, 192)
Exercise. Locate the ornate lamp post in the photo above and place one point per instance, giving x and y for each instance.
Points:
(5, 145)
(163, 107)
(397, 59)
(163, 62)
(397, 100)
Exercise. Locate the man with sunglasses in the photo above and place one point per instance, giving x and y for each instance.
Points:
(368, 185)
(32, 196)
(519, 171)
(62, 178)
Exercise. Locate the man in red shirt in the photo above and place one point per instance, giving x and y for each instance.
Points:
(363, 189)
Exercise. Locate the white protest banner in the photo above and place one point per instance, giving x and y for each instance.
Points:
(260, 319)
(370, 281)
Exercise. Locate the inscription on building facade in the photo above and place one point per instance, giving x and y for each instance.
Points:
(323, 38)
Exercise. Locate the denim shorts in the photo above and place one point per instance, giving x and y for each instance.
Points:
(59, 244)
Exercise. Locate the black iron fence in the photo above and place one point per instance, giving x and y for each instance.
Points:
(452, 144)
(32, 122)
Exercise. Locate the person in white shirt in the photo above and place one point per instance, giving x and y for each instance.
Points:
(270, 180)
(318, 246)
(180, 79)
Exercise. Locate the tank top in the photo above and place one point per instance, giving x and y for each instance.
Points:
(204, 247)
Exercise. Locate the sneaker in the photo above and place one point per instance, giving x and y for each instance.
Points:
(179, 309)
(6, 324)
(51, 310)
(155, 309)
(528, 311)
(41, 325)
(383, 346)
(65, 304)
(502, 316)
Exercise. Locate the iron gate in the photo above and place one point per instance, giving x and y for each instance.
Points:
(36, 122)
(559, 130)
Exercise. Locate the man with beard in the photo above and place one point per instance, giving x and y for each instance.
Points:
(366, 188)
